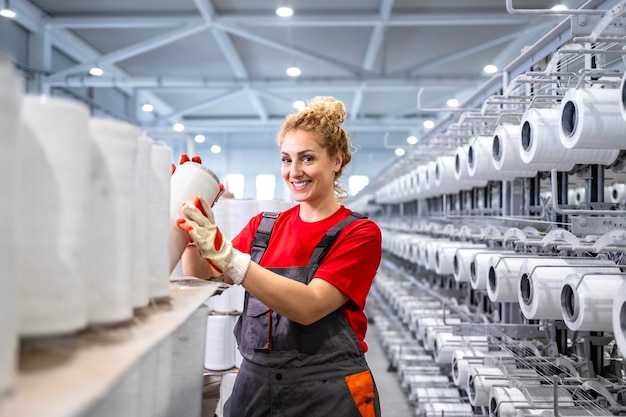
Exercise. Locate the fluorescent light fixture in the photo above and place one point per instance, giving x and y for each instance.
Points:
(298, 104)
(293, 71)
(411, 140)
(7, 12)
(559, 8)
(453, 102)
(284, 11)
(147, 107)
(199, 138)
(399, 151)
(96, 71)
(178, 127)
(428, 124)
(216, 149)
(490, 69)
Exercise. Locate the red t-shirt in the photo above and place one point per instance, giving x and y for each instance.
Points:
(350, 265)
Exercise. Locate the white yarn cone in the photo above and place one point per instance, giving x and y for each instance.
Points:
(54, 142)
(141, 203)
(10, 100)
(159, 221)
(188, 181)
(111, 220)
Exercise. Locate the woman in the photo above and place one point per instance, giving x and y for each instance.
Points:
(302, 331)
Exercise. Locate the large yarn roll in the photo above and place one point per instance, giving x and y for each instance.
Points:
(479, 267)
(445, 256)
(503, 276)
(189, 181)
(591, 119)
(506, 401)
(54, 156)
(140, 244)
(110, 280)
(480, 380)
(428, 185)
(618, 318)
(240, 213)
(506, 157)
(541, 148)
(462, 262)
(219, 354)
(461, 170)
(622, 97)
(10, 101)
(541, 279)
(445, 180)
(188, 344)
(587, 300)
(479, 161)
(159, 221)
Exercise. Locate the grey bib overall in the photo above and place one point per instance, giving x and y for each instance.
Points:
(293, 370)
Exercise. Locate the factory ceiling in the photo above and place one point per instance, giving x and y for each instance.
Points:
(219, 66)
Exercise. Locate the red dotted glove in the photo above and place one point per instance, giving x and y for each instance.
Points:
(200, 226)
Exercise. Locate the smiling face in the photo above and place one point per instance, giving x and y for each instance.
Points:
(308, 170)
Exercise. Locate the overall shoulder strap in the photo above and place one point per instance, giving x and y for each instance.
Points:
(329, 238)
(262, 235)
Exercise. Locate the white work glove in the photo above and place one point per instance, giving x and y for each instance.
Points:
(201, 227)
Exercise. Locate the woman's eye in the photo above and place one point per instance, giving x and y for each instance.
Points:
(285, 160)
(307, 158)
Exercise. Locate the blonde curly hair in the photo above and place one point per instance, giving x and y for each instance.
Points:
(323, 117)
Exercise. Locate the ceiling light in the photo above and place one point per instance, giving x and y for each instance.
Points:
(400, 151)
(178, 127)
(559, 7)
(199, 138)
(490, 69)
(293, 71)
(428, 124)
(284, 11)
(147, 107)
(7, 12)
(216, 149)
(96, 71)
(298, 104)
(453, 102)
(411, 140)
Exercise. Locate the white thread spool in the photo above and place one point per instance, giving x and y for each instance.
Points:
(10, 103)
(503, 401)
(587, 301)
(452, 409)
(591, 119)
(446, 344)
(159, 221)
(462, 262)
(444, 257)
(141, 244)
(538, 145)
(505, 152)
(54, 149)
(445, 180)
(503, 276)
(219, 353)
(479, 267)
(480, 380)
(226, 389)
(479, 159)
(111, 190)
(188, 343)
(425, 397)
(240, 213)
(540, 281)
(618, 318)
(188, 181)
(461, 170)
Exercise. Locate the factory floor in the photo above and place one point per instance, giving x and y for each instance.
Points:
(394, 402)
